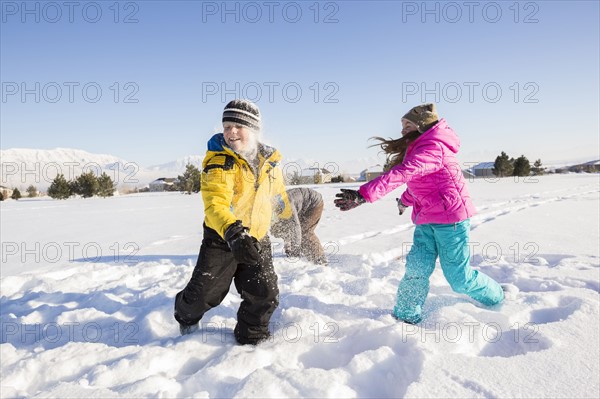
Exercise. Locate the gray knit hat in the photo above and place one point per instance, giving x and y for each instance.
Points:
(424, 116)
(242, 112)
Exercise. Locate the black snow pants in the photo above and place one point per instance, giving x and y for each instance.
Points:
(210, 282)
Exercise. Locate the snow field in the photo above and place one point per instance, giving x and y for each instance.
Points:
(102, 326)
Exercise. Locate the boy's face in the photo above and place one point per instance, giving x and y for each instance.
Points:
(237, 137)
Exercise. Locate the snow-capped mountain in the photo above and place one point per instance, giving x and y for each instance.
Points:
(178, 166)
(28, 155)
(21, 167)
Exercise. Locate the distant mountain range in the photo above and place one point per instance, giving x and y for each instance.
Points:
(21, 167)
(178, 165)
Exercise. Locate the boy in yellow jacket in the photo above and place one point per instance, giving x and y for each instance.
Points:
(242, 188)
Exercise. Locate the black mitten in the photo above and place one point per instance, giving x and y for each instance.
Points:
(245, 248)
(348, 199)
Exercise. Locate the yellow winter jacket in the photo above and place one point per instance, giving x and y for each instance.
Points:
(231, 191)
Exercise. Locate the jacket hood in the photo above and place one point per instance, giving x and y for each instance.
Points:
(217, 144)
(442, 133)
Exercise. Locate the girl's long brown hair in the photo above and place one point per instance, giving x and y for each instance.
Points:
(395, 149)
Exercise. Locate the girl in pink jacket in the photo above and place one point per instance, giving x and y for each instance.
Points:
(424, 159)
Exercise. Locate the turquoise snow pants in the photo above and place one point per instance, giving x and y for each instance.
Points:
(450, 243)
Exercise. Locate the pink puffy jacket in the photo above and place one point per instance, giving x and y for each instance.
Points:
(436, 188)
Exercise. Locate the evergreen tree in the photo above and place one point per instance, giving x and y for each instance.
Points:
(106, 187)
(1, 196)
(32, 191)
(537, 168)
(60, 188)
(87, 185)
(503, 166)
(16, 194)
(521, 166)
(74, 187)
(190, 181)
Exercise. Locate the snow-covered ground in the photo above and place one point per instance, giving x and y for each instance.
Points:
(87, 291)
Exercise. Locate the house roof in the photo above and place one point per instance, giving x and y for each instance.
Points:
(484, 165)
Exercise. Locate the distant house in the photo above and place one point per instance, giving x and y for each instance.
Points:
(314, 176)
(468, 174)
(483, 169)
(370, 173)
(6, 192)
(163, 184)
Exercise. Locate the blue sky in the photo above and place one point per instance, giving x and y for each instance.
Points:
(515, 76)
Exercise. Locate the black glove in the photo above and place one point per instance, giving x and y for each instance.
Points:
(401, 206)
(348, 199)
(245, 248)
